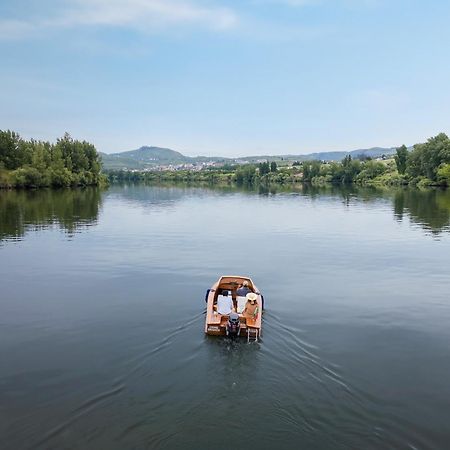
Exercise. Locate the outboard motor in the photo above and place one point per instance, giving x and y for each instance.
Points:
(233, 325)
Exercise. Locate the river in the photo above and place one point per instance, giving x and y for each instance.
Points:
(102, 314)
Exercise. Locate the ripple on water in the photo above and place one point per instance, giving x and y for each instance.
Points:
(103, 335)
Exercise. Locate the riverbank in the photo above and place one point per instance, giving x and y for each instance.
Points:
(282, 177)
(30, 178)
(426, 164)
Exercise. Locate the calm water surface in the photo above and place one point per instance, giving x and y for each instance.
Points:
(102, 312)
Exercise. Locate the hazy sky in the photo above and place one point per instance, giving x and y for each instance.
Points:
(226, 77)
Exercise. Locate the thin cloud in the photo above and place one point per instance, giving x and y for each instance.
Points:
(297, 2)
(152, 12)
(141, 15)
(302, 3)
(293, 3)
(15, 29)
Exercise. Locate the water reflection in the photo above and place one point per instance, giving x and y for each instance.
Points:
(428, 208)
(21, 211)
(102, 337)
(71, 209)
(139, 193)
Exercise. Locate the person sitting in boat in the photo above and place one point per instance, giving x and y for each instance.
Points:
(251, 307)
(224, 303)
(243, 290)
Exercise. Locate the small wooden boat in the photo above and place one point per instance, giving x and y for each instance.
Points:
(232, 312)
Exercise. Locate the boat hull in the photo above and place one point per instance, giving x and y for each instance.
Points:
(216, 324)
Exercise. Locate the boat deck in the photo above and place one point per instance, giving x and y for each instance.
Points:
(216, 324)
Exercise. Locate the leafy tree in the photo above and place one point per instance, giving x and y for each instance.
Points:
(443, 174)
(371, 170)
(245, 174)
(425, 159)
(306, 171)
(39, 159)
(350, 169)
(36, 163)
(60, 177)
(9, 149)
(264, 168)
(347, 161)
(273, 166)
(29, 177)
(311, 169)
(401, 159)
(315, 168)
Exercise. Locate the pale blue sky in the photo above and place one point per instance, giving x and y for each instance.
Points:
(226, 77)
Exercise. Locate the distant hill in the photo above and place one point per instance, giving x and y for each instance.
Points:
(152, 154)
(147, 157)
(373, 152)
(141, 158)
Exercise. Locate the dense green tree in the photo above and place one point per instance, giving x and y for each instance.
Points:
(401, 159)
(306, 171)
(29, 177)
(38, 164)
(245, 174)
(311, 169)
(264, 168)
(273, 166)
(347, 161)
(10, 154)
(370, 170)
(351, 168)
(425, 159)
(443, 174)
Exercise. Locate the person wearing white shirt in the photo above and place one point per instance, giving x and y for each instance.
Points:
(224, 303)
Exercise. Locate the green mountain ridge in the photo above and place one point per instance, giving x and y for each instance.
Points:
(147, 154)
(147, 157)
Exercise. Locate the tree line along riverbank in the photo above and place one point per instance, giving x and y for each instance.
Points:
(36, 164)
(426, 164)
(69, 162)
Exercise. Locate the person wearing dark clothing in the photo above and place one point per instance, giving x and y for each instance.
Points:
(243, 290)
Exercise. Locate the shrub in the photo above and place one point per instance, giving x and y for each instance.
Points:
(424, 182)
(60, 177)
(443, 174)
(29, 177)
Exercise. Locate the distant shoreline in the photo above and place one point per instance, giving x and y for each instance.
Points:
(423, 165)
(72, 163)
